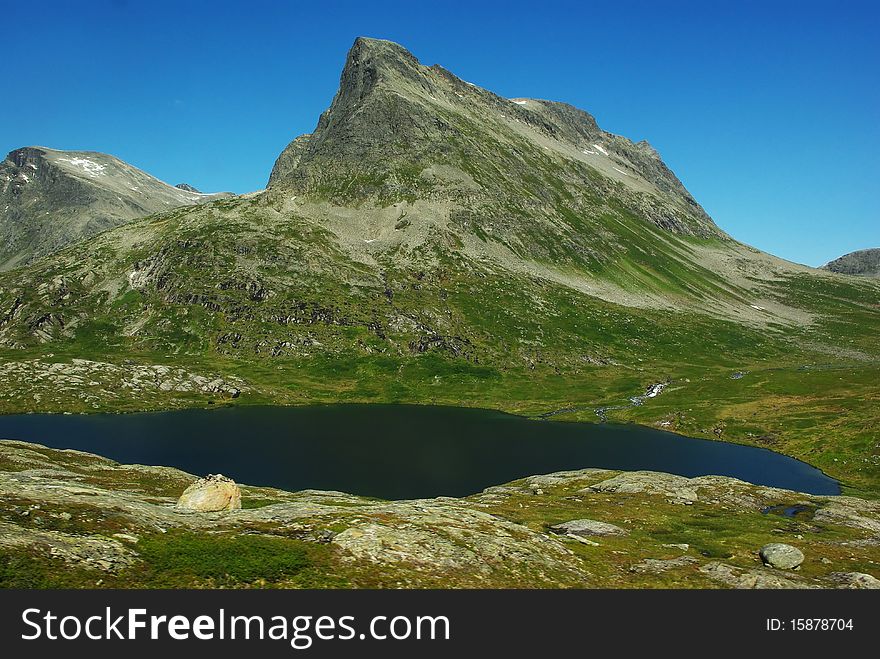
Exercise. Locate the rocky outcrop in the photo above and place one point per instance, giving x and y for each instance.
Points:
(96, 552)
(736, 577)
(94, 383)
(660, 565)
(432, 535)
(856, 580)
(211, 494)
(587, 527)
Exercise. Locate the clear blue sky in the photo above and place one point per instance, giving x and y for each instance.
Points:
(768, 111)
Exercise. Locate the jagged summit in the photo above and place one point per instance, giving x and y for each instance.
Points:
(51, 198)
(399, 130)
(376, 61)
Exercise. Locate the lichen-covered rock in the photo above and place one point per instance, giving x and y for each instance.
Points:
(584, 527)
(92, 551)
(858, 580)
(211, 494)
(736, 577)
(674, 487)
(440, 535)
(781, 556)
(660, 565)
(850, 511)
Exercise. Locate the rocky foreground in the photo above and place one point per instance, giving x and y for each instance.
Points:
(72, 519)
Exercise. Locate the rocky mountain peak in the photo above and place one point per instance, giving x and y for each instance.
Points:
(397, 130)
(25, 155)
(375, 61)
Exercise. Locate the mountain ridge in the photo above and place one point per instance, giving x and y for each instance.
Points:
(862, 262)
(51, 198)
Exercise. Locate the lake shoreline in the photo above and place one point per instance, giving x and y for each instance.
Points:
(327, 438)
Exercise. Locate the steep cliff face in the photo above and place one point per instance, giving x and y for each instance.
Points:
(398, 130)
(49, 199)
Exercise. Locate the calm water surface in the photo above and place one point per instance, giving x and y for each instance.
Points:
(397, 451)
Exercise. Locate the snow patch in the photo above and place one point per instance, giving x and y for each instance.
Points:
(90, 167)
(617, 169)
(755, 306)
(600, 149)
(520, 101)
(588, 153)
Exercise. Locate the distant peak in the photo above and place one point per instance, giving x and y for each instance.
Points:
(186, 187)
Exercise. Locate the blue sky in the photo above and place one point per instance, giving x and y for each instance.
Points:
(768, 111)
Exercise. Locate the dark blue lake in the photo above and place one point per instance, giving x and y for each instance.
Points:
(397, 451)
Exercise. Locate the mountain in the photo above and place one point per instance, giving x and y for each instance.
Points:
(397, 130)
(432, 242)
(52, 198)
(865, 262)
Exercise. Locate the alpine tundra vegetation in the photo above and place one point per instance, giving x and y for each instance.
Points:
(430, 242)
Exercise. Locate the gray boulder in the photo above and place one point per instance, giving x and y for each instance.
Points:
(781, 556)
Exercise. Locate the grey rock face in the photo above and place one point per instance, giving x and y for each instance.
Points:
(50, 198)
(186, 187)
(587, 527)
(864, 262)
(781, 556)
